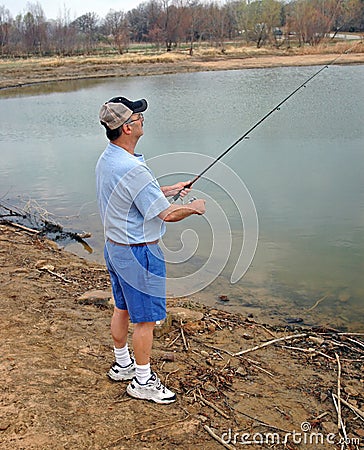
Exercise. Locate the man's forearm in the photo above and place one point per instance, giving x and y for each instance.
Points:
(175, 213)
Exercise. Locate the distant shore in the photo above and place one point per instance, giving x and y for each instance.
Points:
(16, 73)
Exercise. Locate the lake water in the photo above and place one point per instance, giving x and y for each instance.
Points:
(303, 168)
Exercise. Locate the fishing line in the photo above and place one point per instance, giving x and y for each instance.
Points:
(276, 108)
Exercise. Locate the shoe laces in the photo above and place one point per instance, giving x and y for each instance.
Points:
(159, 384)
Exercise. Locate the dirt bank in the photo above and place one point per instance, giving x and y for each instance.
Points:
(56, 350)
(16, 73)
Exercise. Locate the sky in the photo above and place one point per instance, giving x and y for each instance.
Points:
(52, 8)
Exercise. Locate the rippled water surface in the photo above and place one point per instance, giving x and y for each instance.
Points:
(303, 168)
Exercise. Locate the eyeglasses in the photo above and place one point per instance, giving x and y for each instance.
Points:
(140, 117)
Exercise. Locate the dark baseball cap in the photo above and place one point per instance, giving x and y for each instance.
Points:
(118, 110)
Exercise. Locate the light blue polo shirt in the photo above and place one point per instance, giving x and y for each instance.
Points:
(129, 197)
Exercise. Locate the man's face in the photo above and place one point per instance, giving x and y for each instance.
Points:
(136, 120)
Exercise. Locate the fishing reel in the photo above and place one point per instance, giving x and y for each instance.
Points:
(192, 199)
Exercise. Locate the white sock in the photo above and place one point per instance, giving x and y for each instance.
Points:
(122, 356)
(142, 373)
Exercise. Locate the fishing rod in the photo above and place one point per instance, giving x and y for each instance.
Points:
(276, 108)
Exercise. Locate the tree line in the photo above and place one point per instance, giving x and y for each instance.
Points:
(170, 23)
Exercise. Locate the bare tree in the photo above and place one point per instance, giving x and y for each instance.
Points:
(63, 33)
(169, 23)
(116, 26)
(350, 15)
(261, 19)
(34, 28)
(5, 26)
(86, 25)
(312, 20)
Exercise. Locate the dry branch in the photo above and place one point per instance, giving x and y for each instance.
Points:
(339, 421)
(354, 341)
(211, 405)
(273, 427)
(356, 410)
(341, 425)
(55, 274)
(185, 343)
(21, 227)
(147, 430)
(218, 438)
(317, 303)
(311, 351)
(257, 347)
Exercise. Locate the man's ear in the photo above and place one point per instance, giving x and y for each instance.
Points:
(126, 128)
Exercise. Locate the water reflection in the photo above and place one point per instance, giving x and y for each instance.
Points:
(50, 87)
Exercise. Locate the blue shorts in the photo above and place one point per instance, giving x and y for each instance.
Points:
(138, 280)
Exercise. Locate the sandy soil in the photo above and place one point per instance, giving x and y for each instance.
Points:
(16, 73)
(56, 350)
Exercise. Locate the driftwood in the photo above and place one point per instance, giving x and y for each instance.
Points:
(35, 220)
(21, 227)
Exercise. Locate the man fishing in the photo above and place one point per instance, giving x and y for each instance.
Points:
(134, 209)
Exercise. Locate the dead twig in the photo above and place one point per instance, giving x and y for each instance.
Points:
(350, 334)
(264, 370)
(356, 410)
(262, 423)
(174, 340)
(211, 405)
(341, 426)
(265, 329)
(273, 341)
(22, 227)
(55, 274)
(218, 438)
(339, 421)
(321, 416)
(311, 351)
(185, 343)
(169, 373)
(317, 303)
(354, 341)
(218, 349)
(214, 322)
(147, 430)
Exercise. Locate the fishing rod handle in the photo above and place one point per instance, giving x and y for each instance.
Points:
(177, 196)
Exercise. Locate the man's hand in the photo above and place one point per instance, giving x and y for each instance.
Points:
(168, 191)
(199, 206)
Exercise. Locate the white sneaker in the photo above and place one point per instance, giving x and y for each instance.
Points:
(119, 373)
(153, 390)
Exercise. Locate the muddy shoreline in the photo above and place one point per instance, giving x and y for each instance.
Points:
(228, 369)
(17, 74)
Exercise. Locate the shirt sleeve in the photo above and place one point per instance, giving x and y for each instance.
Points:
(145, 192)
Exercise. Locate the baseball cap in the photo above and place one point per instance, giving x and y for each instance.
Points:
(118, 110)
